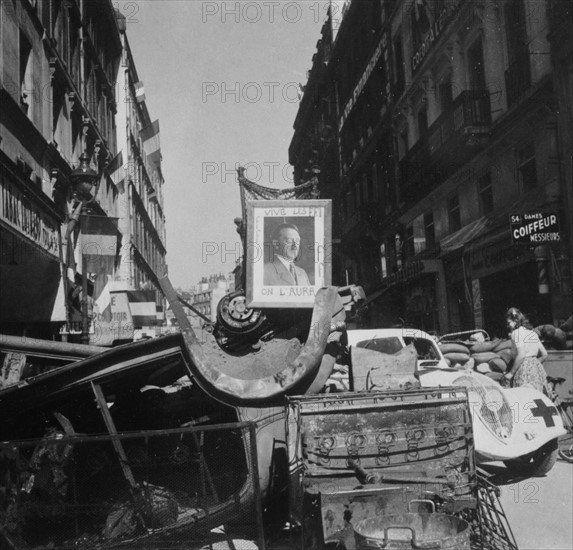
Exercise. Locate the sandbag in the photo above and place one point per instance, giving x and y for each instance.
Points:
(483, 368)
(545, 331)
(457, 357)
(567, 326)
(497, 364)
(451, 347)
(559, 340)
(484, 357)
(504, 344)
(506, 355)
(480, 347)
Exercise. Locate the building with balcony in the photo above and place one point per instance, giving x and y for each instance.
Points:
(57, 92)
(140, 182)
(450, 120)
(206, 298)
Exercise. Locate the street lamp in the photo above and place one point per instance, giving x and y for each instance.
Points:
(83, 179)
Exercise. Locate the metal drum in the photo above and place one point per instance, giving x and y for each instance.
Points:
(423, 531)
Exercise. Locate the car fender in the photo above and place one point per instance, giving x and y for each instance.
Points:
(535, 420)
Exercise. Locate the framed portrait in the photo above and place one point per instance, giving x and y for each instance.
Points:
(288, 252)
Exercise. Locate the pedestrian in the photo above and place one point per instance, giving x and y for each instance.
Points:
(528, 351)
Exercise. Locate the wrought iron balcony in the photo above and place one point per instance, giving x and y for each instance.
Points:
(451, 140)
(518, 78)
(469, 115)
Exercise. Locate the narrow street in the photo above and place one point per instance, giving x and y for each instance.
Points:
(539, 509)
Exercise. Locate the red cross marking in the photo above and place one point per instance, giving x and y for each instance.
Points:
(545, 412)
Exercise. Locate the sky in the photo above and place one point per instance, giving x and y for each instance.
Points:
(222, 79)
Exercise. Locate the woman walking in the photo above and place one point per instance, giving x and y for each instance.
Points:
(529, 352)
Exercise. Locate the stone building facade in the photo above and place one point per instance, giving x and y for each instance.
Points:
(140, 182)
(440, 127)
(57, 92)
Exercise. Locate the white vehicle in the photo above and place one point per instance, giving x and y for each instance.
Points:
(519, 426)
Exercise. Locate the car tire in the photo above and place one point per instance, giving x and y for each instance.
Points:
(538, 464)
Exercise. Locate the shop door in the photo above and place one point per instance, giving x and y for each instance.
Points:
(516, 287)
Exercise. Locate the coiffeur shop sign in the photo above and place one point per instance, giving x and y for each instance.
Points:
(535, 227)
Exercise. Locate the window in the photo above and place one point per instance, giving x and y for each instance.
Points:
(402, 143)
(383, 263)
(429, 230)
(349, 200)
(400, 78)
(375, 190)
(446, 92)
(25, 73)
(399, 247)
(366, 196)
(409, 245)
(476, 73)
(388, 345)
(515, 29)
(423, 121)
(527, 168)
(420, 23)
(419, 235)
(454, 213)
(485, 194)
(357, 197)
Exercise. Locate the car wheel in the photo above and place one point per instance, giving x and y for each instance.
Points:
(537, 464)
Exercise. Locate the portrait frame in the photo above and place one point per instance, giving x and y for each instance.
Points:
(265, 287)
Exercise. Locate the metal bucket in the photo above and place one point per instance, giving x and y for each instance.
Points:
(423, 531)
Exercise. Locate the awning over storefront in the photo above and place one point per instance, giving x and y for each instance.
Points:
(466, 235)
(498, 226)
(29, 281)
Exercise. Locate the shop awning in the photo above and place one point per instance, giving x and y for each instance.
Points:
(498, 226)
(465, 235)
